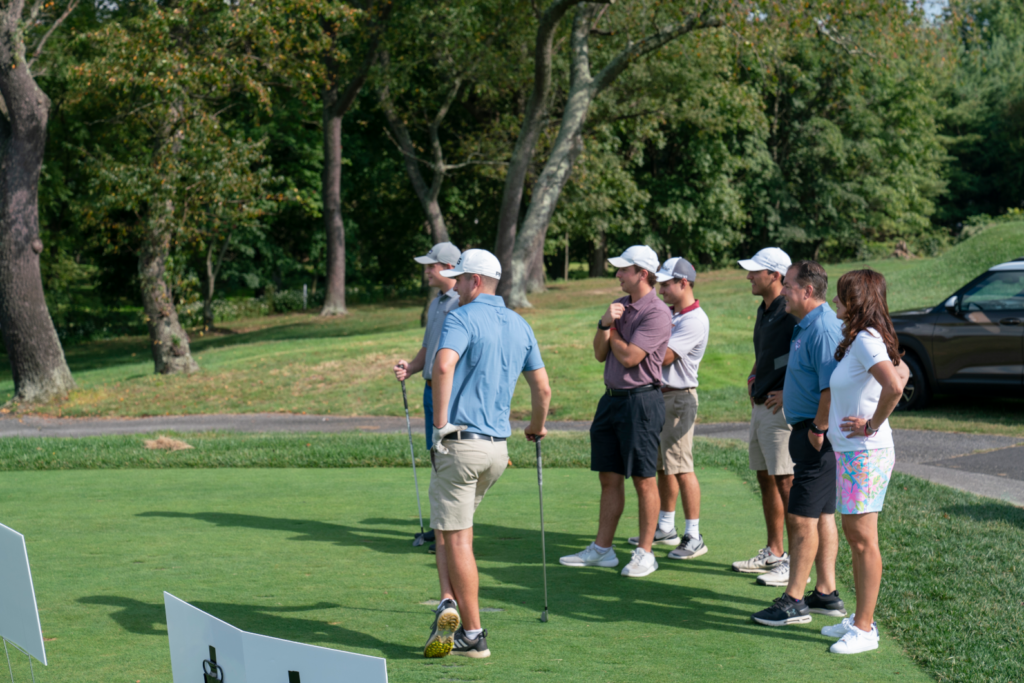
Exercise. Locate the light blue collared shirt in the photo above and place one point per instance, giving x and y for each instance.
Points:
(811, 362)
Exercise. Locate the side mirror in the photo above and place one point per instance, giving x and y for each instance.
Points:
(953, 305)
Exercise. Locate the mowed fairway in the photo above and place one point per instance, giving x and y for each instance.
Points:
(324, 557)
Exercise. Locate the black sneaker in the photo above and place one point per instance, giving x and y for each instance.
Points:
(429, 536)
(432, 549)
(825, 603)
(446, 621)
(477, 649)
(784, 611)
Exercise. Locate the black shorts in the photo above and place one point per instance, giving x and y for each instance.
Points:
(625, 434)
(814, 476)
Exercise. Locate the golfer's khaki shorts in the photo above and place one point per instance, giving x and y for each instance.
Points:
(461, 478)
(675, 454)
(769, 441)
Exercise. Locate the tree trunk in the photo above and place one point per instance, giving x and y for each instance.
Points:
(38, 367)
(599, 255)
(583, 88)
(334, 291)
(526, 143)
(212, 270)
(536, 274)
(169, 341)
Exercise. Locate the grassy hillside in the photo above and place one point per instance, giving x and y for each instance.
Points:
(302, 363)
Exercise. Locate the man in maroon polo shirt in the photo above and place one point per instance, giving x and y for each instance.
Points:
(631, 340)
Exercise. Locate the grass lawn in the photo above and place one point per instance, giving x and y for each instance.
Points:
(289, 535)
(302, 363)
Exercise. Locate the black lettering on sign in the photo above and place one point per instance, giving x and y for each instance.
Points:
(212, 673)
(293, 677)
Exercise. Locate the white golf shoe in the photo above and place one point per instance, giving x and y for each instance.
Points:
(641, 564)
(591, 556)
(856, 641)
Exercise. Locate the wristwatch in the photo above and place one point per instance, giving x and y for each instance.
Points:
(602, 327)
(815, 429)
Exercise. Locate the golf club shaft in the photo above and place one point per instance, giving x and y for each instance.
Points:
(412, 454)
(543, 548)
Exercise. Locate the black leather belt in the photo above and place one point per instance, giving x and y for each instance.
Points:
(666, 389)
(759, 400)
(802, 424)
(469, 436)
(629, 392)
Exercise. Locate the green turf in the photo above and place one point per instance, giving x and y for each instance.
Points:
(324, 558)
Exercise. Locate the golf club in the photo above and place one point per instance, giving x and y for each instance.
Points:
(543, 549)
(419, 539)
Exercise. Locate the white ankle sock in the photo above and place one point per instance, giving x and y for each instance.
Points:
(693, 528)
(474, 634)
(603, 550)
(666, 520)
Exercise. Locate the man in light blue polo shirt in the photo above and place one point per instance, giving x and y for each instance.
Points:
(484, 347)
(810, 517)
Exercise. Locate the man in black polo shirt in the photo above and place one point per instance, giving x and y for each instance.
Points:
(769, 433)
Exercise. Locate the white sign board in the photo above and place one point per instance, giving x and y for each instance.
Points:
(19, 618)
(202, 644)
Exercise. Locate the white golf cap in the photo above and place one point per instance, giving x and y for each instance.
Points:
(479, 261)
(675, 269)
(637, 255)
(442, 252)
(770, 258)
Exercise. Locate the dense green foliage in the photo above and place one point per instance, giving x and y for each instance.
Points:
(837, 135)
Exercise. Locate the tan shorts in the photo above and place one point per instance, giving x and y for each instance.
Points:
(769, 441)
(675, 454)
(461, 478)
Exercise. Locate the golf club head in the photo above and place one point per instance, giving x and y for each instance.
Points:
(544, 617)
(418, 541)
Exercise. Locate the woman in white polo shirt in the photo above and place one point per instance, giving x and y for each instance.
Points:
(866, 386)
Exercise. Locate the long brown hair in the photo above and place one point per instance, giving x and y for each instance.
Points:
(863, 294)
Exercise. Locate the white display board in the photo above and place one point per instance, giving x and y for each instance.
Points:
(243, 657)
(19, 617)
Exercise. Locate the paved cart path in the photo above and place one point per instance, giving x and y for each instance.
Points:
(990, 466)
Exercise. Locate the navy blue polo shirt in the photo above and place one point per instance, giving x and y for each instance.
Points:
(495, 345)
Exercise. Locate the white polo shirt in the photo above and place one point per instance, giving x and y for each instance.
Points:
(855, 393)
(689, 340)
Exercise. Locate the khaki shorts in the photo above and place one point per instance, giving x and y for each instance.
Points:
(769, 441)
(461, 478)
(675, 455)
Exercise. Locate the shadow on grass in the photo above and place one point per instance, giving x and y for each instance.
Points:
(989, 511)
(592, 595)
(142, 618)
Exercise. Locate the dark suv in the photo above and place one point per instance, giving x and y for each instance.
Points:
(973, 342)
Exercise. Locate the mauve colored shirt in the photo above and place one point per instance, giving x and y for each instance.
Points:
(647, 324)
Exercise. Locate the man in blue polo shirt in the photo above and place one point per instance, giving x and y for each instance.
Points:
(810, 517)
(484, 347)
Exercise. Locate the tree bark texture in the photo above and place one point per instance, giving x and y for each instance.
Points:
(583, 89)
(212, 270)
(526, 143)
(38, 366)
(599, 255)
(169, 341)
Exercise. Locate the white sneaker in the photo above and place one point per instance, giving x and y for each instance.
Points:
(591, 557)
(641, 564)
(764, 561)
(856, 641)
(778, 576)
(689, 548)
(670, 537)
(838, 630)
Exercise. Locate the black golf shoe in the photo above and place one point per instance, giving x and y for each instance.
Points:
(783, 612)
(477, 649)
(432, 549)
(828, 604)
(446, 621)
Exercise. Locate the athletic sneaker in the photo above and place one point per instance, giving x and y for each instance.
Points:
(829, 605)
(856, 641)
(838, 630)
(765, 561)
(778, 576)
(446, 621)
(660, 538)
(591, 557)
(784, 611)
(432, 549)
(689, 548)
(641, 564)
(477, 649)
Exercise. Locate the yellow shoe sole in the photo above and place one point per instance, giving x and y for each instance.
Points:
(441, 641)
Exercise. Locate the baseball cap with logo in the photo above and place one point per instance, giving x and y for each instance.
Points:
(675, 269)
(479, 261)
(770, 258)
(442, 252)
(639, 255)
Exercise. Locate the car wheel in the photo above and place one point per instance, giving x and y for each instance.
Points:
(915, 394)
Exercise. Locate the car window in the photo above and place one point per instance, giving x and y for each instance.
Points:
(1001, 291)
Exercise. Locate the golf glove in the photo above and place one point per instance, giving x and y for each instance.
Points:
(441, 432)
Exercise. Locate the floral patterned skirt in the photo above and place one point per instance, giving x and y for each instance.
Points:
(862, 478)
